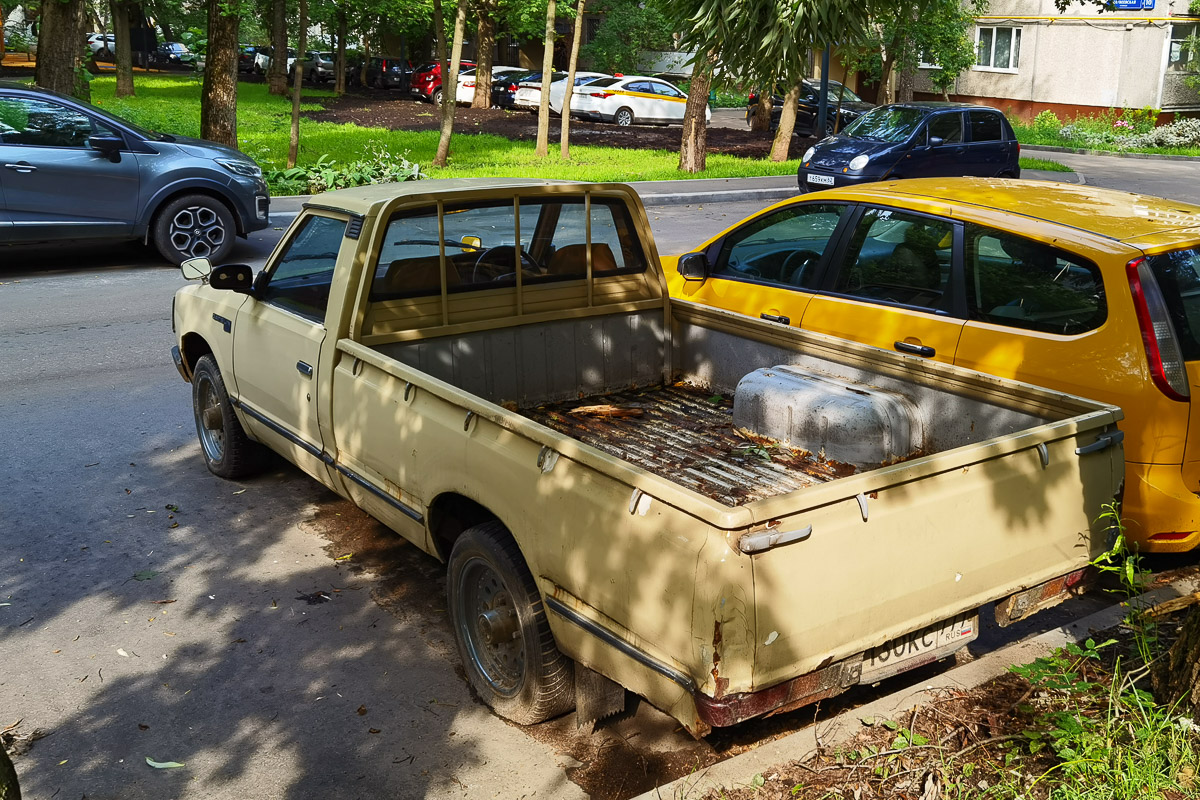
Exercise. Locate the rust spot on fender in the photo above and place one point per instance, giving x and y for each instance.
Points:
(721, 683)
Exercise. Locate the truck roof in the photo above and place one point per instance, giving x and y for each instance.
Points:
(1121, 216)
(365, 200)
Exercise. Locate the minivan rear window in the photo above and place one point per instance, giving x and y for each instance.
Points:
(1178, 276)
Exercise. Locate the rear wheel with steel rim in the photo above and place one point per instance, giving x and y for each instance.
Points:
(504, 639)
(228, 451)
(194, 226)
(623, 117)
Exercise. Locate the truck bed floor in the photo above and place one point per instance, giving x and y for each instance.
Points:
(686, 435)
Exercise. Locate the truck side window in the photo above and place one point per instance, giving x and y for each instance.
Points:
(898, 258)
(299, 281)
(783, 248)
(1025, 284)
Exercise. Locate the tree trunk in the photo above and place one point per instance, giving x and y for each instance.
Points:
(277, 71)
(565, 134)
(60, 48)
(787, 125)
(218, 94)
(760, 117)
(486, 24)
(904, 86)
(450, 85)
(298, 87)
(124, 45)
(694, 144)
(1177, 676)
(9, 790)
(543, 127)
(339, 63)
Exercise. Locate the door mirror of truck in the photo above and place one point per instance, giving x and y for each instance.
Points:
(195, 269)
(235, 277)
(693, 266)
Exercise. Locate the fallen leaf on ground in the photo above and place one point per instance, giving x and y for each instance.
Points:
(162, 602)
(362, 710)
(162, 764)
(122, 653)
(144, 575)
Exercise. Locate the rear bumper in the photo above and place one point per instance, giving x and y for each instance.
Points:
(1161, 514)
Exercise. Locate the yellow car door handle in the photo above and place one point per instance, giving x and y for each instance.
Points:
(915, 349)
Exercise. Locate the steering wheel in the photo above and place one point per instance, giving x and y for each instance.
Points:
(498, 262)
(796, 264)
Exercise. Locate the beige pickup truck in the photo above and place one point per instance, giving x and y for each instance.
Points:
(727, 516)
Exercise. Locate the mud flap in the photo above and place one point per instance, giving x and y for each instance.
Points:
(596, 697)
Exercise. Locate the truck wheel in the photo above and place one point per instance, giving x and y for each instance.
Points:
(228, 451)
(623, 117)
(503, 637)
(194, 226)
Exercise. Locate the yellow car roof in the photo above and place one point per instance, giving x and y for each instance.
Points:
(1121, 216)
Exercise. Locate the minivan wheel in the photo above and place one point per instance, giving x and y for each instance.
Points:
(194, 226)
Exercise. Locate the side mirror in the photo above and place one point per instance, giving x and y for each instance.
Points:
(471, 243)
(936, 141)
(108, 145)
(693, 266)
(195, 269)
(234, 277)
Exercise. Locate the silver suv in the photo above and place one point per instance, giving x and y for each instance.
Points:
(70, 171)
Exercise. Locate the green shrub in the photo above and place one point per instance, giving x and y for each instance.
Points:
(379, 167)
(1047, 123)
(1180, 133)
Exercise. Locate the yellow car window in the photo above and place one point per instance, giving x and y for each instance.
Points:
(782, 248)
(1025, 284)
(898, 258)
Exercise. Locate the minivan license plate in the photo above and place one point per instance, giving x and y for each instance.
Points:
(917, 649)
(824, 180)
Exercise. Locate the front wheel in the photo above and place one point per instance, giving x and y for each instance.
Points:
(623, 117)
(504, 639)
(436, 99)
(228, 451)
(194, 226)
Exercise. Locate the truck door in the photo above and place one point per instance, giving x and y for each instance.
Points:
(277, 342)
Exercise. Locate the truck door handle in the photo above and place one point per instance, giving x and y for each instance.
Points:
(21, 166)
(1103, 442)
(305, 369)
(915, 349)
(780, 318)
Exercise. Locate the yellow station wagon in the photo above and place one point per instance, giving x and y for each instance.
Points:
(1088, 291)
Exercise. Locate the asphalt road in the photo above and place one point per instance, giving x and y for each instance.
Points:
(150, 610)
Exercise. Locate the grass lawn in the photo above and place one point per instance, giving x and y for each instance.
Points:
(1044, 164)
(172, 103)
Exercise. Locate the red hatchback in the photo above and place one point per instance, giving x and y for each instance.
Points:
(427, 81)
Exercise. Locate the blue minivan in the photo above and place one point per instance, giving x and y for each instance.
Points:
(914, 140)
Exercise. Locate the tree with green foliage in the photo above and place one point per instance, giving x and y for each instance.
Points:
(564, 135)
(218, 98)
(627, 28)
(61, 48)
(543, 125)
(449, 82)
(298, 86)
(124, 47)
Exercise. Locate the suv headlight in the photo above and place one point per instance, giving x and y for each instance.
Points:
(246, 168)
(858, 162)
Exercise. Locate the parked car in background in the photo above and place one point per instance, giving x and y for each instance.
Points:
(631, 99)
(529, 91)
(914, 140)
(844, 106)
(1079, 289)
(102, 45)
(262, 59)
(318, 66)
(177, 54)
(465, 93)
(426, 81)
(504, 88)
(389, 72)
(558, 89)
(246, 54)
(76, 172)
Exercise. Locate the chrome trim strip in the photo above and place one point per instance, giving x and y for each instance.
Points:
(608, 637)
(282, 431)
(403, 508)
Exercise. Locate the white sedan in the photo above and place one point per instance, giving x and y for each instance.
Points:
(465, 92)
(631, 99)
(558, 89)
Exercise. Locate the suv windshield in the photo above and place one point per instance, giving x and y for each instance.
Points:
(886, 124)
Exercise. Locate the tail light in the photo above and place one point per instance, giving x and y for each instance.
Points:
(385, 65)
(468, 84)
(601, 95)
(1163, 353)
(512, 87)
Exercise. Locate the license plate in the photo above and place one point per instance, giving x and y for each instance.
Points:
(824, 180)
(917, 649)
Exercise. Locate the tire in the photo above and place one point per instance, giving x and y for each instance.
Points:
(228, 451)
(194, 226)
(829, 126)
(623, 117)
(436, 98)
(504, 639)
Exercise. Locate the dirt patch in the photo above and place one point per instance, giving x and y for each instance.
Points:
(382, 109)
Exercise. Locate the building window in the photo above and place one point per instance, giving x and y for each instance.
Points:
(1184, 56)
(997, 49)
(591, 29)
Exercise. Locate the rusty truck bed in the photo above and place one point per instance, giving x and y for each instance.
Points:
(687, 435)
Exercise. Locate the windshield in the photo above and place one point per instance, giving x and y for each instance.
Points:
(886, 124)
(837, 90)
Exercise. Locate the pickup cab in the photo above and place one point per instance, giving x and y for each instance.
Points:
(727, 516)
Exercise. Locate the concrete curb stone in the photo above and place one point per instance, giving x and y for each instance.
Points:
(1049, 148)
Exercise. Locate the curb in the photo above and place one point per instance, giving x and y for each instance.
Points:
(1049, 148)
(742, 769)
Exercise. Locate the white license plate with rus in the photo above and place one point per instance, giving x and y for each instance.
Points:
(917, 649)
(824, 180)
